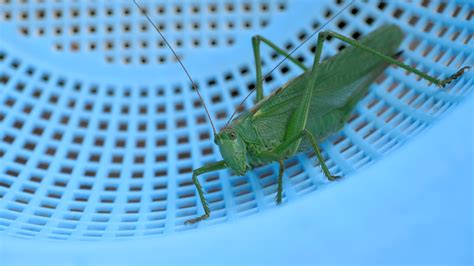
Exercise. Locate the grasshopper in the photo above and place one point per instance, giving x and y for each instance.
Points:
(307, 109)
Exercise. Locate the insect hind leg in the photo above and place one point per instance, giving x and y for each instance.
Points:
(441, 83)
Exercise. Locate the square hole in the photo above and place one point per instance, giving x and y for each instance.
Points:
(8, 139)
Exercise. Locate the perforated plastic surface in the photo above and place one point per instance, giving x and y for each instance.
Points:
(100, 130)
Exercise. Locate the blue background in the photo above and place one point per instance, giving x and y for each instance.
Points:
(411, 204)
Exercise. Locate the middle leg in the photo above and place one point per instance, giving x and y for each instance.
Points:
(280, 181)
(282, 150)
(258, 65)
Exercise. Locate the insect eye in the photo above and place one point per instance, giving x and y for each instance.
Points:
(232, 135)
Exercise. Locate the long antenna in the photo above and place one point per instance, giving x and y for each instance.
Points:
(286, 57)
(181, 63)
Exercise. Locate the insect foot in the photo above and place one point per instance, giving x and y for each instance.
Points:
(197, 219)
(456, 75)
(334, 178)
(278, 199)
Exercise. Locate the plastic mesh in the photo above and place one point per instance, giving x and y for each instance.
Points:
(100, 131)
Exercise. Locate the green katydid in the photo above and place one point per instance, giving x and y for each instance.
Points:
(307, 109)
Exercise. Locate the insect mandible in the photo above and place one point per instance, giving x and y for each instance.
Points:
(307, 109)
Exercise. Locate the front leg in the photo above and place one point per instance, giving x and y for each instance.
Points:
(202, 170)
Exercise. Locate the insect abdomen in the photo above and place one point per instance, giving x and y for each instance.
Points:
(386, 40)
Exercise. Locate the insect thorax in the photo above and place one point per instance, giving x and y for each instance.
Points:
(254, 143)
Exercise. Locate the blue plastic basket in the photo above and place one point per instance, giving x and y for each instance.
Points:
(100, 131)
